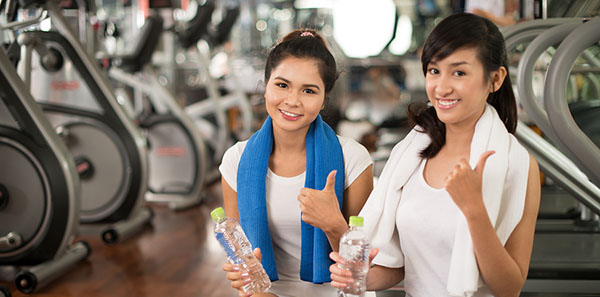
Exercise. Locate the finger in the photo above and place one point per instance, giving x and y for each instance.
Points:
(307, 219)
(336, 284)
(335, 256)
(238, 284)
(235, 276)
(340, 273)
(482, 160)
(230, 267)
(330, 185)
(464, 164)
(305, 192)
(258, 254)
(372, 253)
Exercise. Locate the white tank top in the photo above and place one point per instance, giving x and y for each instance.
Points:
(426, 222)
(284, 217)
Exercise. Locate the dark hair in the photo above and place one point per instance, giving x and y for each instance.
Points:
(459, 31)
(304, 43)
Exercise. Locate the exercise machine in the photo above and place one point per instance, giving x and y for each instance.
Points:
(564, 258)
(109, 152)
(39, 191)
(177, 155)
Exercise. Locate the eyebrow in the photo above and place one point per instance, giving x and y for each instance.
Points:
(452, 64)
(304, 85)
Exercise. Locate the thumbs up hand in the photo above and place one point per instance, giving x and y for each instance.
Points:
(320, 208)
(464, 184)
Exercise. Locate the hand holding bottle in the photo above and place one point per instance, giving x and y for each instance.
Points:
(238, 277)
(354, 260)
(246, 273)
(341, 277)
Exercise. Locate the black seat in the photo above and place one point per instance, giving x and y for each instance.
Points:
(148, 41)
(224, 27)
(197, 27)
(31, 3)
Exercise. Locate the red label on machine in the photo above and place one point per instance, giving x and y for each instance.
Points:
(64, 85)
(173, 151)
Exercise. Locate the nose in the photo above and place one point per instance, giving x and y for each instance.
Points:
(443, 86)
(292, 99)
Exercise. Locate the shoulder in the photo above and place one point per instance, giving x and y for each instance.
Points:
(234, 153)
(524, 167)
(351, 146)
(518, 152)
(356, 159)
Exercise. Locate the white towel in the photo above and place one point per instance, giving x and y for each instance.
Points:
(504, 187)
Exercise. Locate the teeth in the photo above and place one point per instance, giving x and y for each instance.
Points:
(447, 102)
(289, 114)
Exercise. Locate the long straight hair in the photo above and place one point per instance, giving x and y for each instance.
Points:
(459, 31)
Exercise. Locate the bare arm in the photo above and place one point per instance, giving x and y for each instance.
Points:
(355, 197)
(230, 200)
(381, 277)
(378, 277)
(504, 268)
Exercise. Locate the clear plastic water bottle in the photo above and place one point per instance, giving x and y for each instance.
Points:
(354, 248)
(232, 238)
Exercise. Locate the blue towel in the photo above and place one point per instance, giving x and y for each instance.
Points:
(323, 154)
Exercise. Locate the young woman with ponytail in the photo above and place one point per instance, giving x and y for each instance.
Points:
(294, 184)
(454, 210)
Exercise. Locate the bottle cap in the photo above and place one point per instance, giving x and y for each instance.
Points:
(218, 214)
(356, 221)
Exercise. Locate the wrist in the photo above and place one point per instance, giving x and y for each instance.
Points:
(337, 227)
(475, 211)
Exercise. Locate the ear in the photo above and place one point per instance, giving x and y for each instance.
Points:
(497, 78)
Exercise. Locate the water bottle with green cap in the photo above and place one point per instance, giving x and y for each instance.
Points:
(354, 248)
(238, 249)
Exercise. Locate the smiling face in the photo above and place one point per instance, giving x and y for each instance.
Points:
(457, 87)
(294, 94)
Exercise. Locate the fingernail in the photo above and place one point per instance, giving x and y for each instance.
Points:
(247, 280)
(245, 274)
(235, 268)
(248, 294)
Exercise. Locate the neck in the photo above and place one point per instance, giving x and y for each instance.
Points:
(458, 139)
(459, 136)
(289, 142)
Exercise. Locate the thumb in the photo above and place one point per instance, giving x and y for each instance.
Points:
(481, 162)
(258, 254)
(330, 185)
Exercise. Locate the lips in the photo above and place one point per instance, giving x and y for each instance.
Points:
(447, 103)
(289, 115)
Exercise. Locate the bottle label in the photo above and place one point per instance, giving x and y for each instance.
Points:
(229, 249)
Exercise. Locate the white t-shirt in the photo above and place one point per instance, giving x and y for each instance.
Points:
(427, 244)
(283, 214)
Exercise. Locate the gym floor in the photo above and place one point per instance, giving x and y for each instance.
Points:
(177, 256)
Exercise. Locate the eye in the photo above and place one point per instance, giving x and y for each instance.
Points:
(459, 73)
(281, 85)
(309, 91)
(433, 71)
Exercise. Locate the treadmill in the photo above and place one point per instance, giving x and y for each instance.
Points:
(566, 256)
